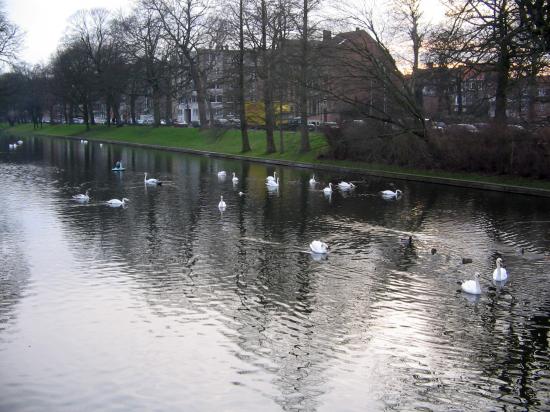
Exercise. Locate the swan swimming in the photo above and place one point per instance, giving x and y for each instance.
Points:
(499, 274)
(151, 181)
(472, 286)
(273, 183)
(312, 181)
(388, 194)
(270, 178)
(20, 142)
(118, 167)
(241, 193)
(221, 173)
(117, 203)
(235, 178)
(346, 186)
(222, 204)
(328, 190)
(82, 197)
(319, 247)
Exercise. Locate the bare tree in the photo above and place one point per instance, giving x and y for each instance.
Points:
(11, 39)
(535, 18)
(185, 26)
(144, 45)
(409, 21)
(94, 31)
(486, 34)
(245, 147)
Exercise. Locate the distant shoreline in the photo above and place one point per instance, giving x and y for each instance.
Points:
(192, 141)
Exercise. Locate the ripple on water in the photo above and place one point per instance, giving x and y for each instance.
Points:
(169, 304)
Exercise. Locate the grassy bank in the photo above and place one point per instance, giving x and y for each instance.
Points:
(229, 142)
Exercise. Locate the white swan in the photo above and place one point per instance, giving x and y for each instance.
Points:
(499, 274)
(20, 142)
(151, 181)
(241, 193)
(472, 286)
(346, 186)
(270, 178)
(328, 190)
(222, 204)
(318, 247)
(82, 197)
(117, 203)
(235, 178)
(221, 173)
(312, 181)
(273, 183)
(388, 194)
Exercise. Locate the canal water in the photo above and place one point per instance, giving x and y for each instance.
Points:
(170, 304)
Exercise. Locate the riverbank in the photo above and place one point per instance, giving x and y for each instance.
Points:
(227, 143)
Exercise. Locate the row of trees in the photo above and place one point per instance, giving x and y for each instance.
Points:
(161, 50)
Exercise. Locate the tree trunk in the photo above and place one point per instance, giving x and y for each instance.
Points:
(199, 87)
(245, 146)
(133, 108)
(304, 132)
(92, 117)
(531, 96)
(502, 86)
(168, 109)
(281, 134)
(156, 105)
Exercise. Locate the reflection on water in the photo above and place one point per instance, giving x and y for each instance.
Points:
(171, 304)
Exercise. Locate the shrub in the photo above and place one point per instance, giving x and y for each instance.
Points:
(494, 149)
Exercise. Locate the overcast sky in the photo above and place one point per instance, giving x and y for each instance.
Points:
(45, 21)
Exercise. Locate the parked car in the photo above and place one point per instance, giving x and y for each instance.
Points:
(516, 127)
(465, 127)
(221, 123)
(332, 125)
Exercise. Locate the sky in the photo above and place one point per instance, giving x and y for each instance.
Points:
(45, 21)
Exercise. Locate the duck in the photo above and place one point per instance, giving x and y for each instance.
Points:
(273, 183)
(312, 181)
(328, 190)
(117, 203)
(235, 178)
(499, 274)
(118, 166)
(389, 194)
(241, 193)
(221, 173)
(472, 286)
(151, 181)
(222, 204)
(319, 247)
(270, 178)
(346, 186)
(407, 241)
(82, 197)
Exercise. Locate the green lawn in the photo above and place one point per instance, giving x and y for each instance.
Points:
(229, 141)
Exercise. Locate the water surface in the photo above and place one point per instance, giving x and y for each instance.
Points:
(169, 304)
